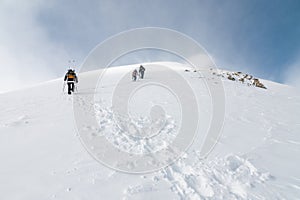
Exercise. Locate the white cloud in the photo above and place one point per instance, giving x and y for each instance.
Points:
(34, 34)
(27, 55)
(292, 74)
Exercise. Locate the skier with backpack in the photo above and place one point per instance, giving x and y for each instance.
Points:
(134, 75)
(71, 79)
(142, 71)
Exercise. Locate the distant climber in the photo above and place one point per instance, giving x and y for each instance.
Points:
(71, 79)
(134, 75)
(142, 71)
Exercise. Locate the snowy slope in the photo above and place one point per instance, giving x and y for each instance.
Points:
(257, 156)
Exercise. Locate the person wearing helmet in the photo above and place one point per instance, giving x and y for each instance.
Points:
(71, 79)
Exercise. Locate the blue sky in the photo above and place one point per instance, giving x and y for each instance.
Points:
(256, 36)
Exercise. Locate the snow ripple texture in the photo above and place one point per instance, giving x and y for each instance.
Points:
(229, 177)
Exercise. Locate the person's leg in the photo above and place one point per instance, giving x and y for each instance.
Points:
(72, 87)
(69, 88)
(142, 74)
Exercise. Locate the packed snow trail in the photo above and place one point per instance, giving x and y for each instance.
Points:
(257, 156)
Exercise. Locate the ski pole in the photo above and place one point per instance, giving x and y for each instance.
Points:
(64, 86)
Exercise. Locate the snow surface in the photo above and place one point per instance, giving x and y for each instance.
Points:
(257, 156)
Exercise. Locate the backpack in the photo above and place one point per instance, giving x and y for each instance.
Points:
(134, 73)
(71, 76)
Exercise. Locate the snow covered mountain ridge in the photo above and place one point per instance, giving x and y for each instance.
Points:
(256, 157)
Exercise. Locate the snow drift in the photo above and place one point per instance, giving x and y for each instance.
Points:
(257, 156)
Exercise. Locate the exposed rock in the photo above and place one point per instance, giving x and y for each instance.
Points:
(240, 77)
(231, 78)
(257, 83)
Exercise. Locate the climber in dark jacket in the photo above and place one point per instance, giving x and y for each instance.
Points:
(71, 79)
(142, 71)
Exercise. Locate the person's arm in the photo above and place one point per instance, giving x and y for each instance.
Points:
(65, 77)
